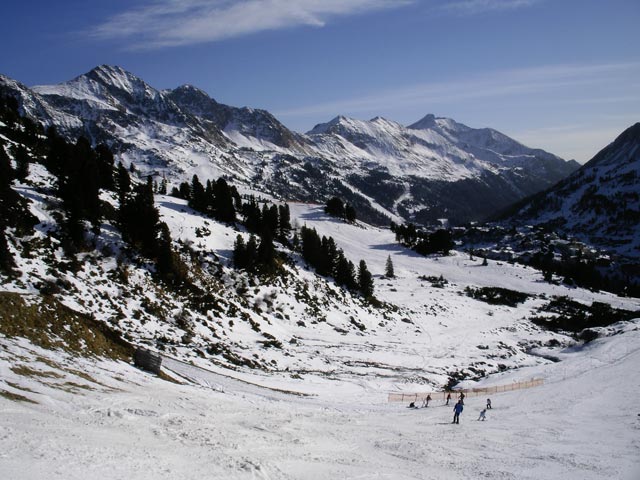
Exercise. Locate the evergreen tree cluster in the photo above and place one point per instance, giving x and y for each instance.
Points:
(216, 199)
(423, 242)
(582, 272)
(255, 257)
(337, 208)
(267, 223)
(328, 260)
(20, 138)
(270, 220)
(81, 172)
(141, 227)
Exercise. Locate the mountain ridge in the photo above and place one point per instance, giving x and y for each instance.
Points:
(175, 133)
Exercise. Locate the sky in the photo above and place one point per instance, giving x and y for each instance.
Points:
(562, 75)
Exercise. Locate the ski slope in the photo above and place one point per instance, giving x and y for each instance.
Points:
(116, 422)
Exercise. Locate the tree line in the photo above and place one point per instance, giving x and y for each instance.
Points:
(423, 242)
(328, 260)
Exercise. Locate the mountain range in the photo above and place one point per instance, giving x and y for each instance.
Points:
(433, 169)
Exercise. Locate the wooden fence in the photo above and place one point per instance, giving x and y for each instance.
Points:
(468, 393)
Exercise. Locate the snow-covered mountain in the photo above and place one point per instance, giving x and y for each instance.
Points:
(437, 168)
(599, 203)
(433, 169)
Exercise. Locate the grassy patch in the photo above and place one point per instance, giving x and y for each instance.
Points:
(25, 371)
(72, 387)
(49, 324)
(15, 397)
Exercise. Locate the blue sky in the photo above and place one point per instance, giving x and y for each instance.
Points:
(563, 75)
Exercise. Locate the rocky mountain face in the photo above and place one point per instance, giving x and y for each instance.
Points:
(433, 169)
(599, 203)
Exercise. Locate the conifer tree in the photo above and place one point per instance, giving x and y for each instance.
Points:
(251, 253)
(6, 259)
(349, 213)
(388, 269)
(266, 254)
(22, 163)
(123, 183)
(335, 207)
(365, 280)
(224, 209)
(105, 161)
(169, 265)
(139, 219)
(198, 200)
(345, 272)
(6, 199)
(239, 252)
(284, 222)
(162, 189)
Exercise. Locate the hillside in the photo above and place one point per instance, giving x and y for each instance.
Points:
(434, 169)
(598, 204)
(82, 284)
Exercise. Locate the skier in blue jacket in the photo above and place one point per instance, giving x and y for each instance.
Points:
(457, 410)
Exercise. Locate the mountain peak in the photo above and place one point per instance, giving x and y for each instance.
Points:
(329, 126)
(430, 122)
(190, 94)
(113, 76)
(425, 122)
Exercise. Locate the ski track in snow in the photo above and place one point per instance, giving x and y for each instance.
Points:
(581, 424)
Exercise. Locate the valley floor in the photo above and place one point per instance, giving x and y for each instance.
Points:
(108, 420)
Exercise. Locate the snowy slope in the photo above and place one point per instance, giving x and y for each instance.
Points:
(119, 422)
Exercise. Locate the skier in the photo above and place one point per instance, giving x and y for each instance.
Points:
(489, 403)
(448, 398)
(426, 401)
(482, 415)
(457, 410)
(461, 398)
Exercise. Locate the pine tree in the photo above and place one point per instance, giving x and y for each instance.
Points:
(365, 280)
(104, 158)
(349, 213)
(198, 200)
(239, 252)
(266, 254)
(6, 259)
(139, 219)
(22, 163)
(388, 269)
(224, 209)
(162, 189)
(251, 253)
(284, 222)
(335, 207)
(345, 272)
(123, 183)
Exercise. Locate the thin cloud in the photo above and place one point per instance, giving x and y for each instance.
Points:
(579, 141)
(499, 84)
(474, 7)
(171, 23)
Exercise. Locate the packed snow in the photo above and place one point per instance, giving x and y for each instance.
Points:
(100, 419)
